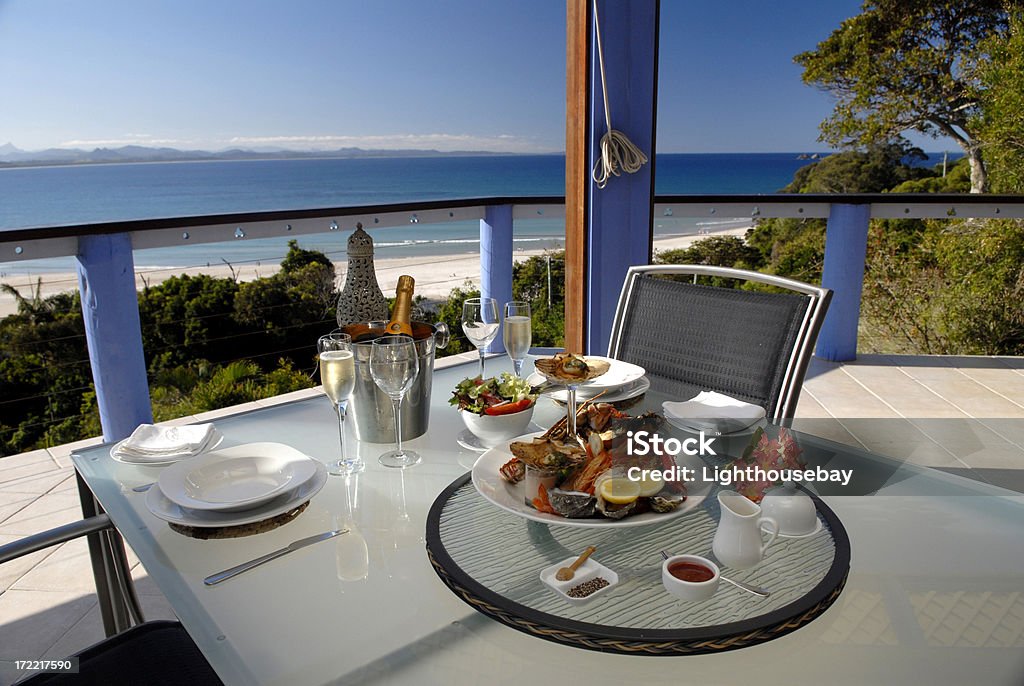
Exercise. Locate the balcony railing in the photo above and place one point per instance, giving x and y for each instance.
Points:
(105, 262)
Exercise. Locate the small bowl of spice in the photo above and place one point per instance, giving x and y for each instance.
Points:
(590, 580)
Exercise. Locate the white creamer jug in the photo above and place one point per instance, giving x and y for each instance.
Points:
(738, 543)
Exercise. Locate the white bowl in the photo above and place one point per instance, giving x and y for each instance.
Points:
(492, 430)
(792, 509)
(690, 590)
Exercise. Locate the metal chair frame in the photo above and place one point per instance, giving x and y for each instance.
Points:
(118, 602)
(800, 355)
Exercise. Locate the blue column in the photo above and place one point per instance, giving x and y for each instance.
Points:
(619, 222)
(496, 261)
(110, 308)
(846, 241)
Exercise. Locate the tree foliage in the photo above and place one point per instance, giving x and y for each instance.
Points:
(209, 342)
(1001, 122)
(904, 65)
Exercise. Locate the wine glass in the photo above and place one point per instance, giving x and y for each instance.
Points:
(394, 364)
(480, 322)
(338, 376)
(517, 333)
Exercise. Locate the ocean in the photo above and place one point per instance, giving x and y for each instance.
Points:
(59, 195)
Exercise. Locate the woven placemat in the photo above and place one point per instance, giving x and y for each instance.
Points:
(563, 625)
(208, 532)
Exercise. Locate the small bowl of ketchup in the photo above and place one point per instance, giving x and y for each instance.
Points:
(690, 577)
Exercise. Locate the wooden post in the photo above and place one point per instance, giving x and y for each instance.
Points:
(846, 240)
(577, 127)
(619, 223)
(110, 310)
(496, 261)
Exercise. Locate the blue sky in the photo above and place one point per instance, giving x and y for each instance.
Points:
(447, 74)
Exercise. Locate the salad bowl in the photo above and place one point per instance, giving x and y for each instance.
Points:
(496, 409)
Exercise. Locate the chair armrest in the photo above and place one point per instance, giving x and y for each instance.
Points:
(61, 534)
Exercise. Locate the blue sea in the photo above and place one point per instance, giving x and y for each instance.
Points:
(79, 194)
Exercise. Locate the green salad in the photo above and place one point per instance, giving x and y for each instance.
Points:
(503, 394)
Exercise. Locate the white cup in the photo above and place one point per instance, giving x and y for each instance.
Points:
(690, 590)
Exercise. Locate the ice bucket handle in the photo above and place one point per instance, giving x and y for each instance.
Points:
(441, 335)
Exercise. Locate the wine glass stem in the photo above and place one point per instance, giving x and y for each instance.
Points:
(342, 409)
(571, 409)
(481, 351)
(517, 366)
(397, 402)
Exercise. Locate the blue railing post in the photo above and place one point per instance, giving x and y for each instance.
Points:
(619, 222)
(846, 240)
(110, 309)
(496, 260)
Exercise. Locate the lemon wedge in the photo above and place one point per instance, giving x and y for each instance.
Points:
(650, 486)
(619, 491)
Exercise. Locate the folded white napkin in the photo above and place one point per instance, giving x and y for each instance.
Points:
(711, 410)
(160, 441)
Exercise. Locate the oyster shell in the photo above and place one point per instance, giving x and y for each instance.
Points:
(546, 454)
(665, 501)
(566, 367)
(513, 471)
(615, 511)
(572, 504)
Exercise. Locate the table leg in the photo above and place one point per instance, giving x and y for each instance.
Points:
(119, 605)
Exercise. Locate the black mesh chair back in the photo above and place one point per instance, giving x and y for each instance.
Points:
(751, 345)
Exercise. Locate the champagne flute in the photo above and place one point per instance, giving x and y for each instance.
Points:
(480, 323)
(338, 376)
(517, 333)
(394, 364)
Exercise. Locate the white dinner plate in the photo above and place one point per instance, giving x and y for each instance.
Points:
(237, 478)
(631, 390)
(216, 437)
(510, 497)
(619, 374)
(169, 511)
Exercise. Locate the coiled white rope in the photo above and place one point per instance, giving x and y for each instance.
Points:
(617, 151)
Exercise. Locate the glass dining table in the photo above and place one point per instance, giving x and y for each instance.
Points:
(934, 592)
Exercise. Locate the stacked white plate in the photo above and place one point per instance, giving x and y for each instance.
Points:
(238, 485)
(622, 381)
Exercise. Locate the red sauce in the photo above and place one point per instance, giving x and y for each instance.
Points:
(690, 571)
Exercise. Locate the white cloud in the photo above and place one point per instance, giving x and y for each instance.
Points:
(125, 139)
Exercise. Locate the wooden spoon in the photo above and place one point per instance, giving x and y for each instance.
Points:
(566, 573)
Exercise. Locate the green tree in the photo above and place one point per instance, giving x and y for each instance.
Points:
(718, 251)
(796, 247)
(907, 65)
(186, 317)
(540, 280)
(1001, 123)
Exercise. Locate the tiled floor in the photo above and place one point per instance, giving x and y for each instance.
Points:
(899, 406)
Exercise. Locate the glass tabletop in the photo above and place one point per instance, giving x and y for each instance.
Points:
(369, 608)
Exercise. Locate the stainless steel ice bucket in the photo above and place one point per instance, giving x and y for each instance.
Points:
(370, 409)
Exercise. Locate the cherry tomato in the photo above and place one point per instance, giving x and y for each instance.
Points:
(508, 408)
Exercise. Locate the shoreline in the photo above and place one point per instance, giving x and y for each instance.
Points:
(436, 275)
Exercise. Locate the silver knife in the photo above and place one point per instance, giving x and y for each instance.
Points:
(246, 566)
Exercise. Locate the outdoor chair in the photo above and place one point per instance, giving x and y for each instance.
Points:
(156, 653)
(751, 345)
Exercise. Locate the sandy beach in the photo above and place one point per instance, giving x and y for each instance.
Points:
(435, 275)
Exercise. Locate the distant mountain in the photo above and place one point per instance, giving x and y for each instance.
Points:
(11, 156)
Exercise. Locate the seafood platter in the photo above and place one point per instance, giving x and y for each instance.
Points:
(550, 477)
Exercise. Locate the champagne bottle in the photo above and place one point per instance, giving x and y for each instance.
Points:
(401, 316)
